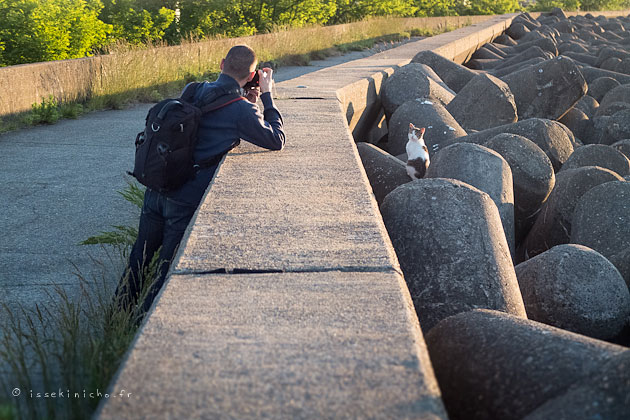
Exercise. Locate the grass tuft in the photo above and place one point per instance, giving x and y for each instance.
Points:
(75, 340)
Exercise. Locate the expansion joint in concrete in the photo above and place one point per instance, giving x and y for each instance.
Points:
(346, 269)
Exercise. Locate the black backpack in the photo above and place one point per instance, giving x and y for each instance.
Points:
(164, 150)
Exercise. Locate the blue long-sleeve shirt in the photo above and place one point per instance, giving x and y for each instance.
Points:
(221, 129)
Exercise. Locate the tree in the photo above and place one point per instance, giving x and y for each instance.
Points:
(136, 21)
(353, 10)
(44, 30)
(488, 7)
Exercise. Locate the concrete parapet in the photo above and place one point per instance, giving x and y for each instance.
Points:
(282, 346)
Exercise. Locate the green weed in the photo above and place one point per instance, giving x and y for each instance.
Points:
(47, 112)
(71, 343)
(121, 235)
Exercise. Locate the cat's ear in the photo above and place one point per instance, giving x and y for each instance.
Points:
(422, 131)
(411, 126)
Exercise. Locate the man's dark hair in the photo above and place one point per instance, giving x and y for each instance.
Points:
(238, 61)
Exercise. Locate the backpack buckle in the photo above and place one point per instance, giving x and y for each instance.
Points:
(153, 127)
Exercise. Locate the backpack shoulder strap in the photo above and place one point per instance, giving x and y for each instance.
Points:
(220, 100)
(189, 92)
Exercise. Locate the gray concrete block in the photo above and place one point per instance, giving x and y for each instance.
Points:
(532, 175)
(575, 288)
(618, 127)
(553, 224)
(599, 87)
(610, 63)
(486, 53)
(601, 219)
(483, 63)
(621, 261)
(623, 146)
(550, 136)
(384, 171)
(592, 73)
(532, 52)
(492, 365)
(449, 241)
(611, 108)
(439, 123)
(517, 30)
(499, 106)
(623, 66)
(604, 395)
(588, 105)
(505, 39)
(453, 74)
(576, 121)
(584, 59)
(484, 169)
(619, 94)
(279, 346)
(545, 44)
(410, 82)
(599, 155)
(547, 90)
(504, 71)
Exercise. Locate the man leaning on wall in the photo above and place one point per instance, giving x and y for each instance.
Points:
(165, 216)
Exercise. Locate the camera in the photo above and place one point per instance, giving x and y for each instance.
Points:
(254, 83)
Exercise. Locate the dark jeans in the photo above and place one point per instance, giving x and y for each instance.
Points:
(162, 224)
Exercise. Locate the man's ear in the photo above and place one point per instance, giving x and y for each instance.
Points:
(251, 75)
(222, 62)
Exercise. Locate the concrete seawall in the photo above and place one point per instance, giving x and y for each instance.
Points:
(80, 79)
(287, 300)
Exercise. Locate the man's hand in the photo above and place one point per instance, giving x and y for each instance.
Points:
(252, 95)
(266, 79)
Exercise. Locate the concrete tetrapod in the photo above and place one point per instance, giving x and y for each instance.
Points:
(575, 288)
(553, 224)
(532, 176)
(602, 218)
(621, 261)
(550, 136)
(482, 168)
(384, 171)
(493, 365)
(410, 82)
(604, 395)
(451, 247)
(598, 155)
(440, 125)
(497, 99)
(623, 146)
(547, 90)
(453, 74)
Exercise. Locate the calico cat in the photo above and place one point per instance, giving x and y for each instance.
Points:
(417, 153)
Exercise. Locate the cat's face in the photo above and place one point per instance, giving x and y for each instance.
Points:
(415, 133)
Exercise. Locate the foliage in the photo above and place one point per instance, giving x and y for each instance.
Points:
(47, 112)
(44, 30)
(137, 22)
(121, 235)
(71, 343)
(584, 5)
(466, 7)
(603, 4)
